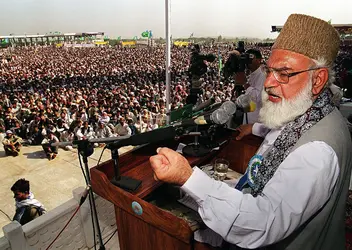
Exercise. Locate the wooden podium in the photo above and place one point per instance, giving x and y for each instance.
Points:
(144, 225)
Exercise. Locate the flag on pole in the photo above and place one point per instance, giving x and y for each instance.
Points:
(220, 61)
(145, 34)
(119, 38)
(150, 34)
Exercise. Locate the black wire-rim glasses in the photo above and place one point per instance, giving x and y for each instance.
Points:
(281, 75)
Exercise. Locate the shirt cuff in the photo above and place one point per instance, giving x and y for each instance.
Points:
(259, 129)
(199, 185)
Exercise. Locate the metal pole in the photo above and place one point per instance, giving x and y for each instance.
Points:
(168, 58)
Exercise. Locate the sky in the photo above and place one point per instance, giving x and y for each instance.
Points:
(129, 18)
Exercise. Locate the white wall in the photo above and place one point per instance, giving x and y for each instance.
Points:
(39, 233)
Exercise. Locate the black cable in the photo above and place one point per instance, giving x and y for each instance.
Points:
(91, 214)
(112, 235)
(103, 245)
(81, 165)
(6, 214)
(83, 198)
(101, 155)
(64, 227)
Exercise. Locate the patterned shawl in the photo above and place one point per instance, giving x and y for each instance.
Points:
(288, 137)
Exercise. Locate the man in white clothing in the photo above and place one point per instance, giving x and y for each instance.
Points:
(293, 193)
(254, 85)
(122, 128)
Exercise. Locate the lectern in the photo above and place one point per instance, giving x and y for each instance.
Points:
(145, 219)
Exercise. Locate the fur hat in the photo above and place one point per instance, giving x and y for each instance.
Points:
(309, 36)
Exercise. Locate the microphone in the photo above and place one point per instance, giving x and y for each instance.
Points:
(245, 103)
(229, 107)
(153, 136)
(219, 116)
(213, 106)
(204, 105)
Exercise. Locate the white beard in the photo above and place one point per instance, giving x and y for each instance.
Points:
(275, 115)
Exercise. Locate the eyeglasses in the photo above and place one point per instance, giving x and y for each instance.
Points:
(281, 75)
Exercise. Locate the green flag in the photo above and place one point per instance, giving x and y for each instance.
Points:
(220, 64)
(329, 21)
(119, 38)
(145, 34)
(135, 38)
(220, 60)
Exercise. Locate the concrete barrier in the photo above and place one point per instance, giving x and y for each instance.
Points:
(39, 233)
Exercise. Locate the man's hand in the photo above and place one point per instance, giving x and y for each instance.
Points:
(245, 129)
(169, 166)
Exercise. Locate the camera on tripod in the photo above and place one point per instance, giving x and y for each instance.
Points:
(238, 61)
(198, 67)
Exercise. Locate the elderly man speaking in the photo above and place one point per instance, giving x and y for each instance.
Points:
(296, 198)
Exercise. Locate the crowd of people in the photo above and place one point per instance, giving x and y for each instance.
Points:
(51, 94)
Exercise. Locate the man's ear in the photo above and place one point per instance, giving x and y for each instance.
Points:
(320, 78)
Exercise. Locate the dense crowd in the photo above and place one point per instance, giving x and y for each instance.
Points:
(50, 93)
(62, 94)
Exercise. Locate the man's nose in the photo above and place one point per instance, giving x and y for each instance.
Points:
(270, 81)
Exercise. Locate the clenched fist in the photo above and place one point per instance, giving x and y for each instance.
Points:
(171, 167)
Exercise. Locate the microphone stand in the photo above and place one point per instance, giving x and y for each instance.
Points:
(86, 149)
(195, 149)
(246, 116)
(124, 182)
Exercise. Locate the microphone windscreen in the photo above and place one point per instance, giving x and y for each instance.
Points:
(243, 101)
(229, 107)
(220, 116)
(252, 106)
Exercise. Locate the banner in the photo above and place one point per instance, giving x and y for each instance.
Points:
(101, 43)
(83, 45)
(181, 43)
(129, 43)
(4, 41)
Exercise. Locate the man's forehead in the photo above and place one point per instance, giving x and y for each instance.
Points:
(287, 59)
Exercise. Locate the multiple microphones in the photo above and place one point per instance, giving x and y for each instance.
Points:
(220, 114)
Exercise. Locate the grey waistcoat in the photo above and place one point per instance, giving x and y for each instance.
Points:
(326, 229)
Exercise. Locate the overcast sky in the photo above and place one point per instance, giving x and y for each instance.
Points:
(128, 18)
